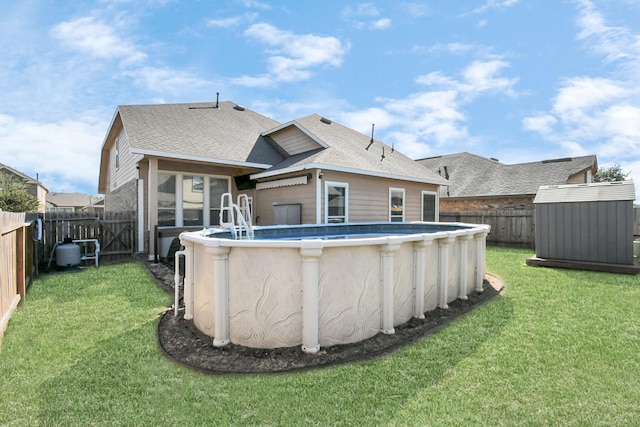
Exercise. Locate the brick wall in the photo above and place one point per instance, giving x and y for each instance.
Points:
(124, 198)
(485, 204)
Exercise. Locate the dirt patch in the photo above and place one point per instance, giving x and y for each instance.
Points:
(183, 342)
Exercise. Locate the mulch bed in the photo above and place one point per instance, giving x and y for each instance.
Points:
(182, 342)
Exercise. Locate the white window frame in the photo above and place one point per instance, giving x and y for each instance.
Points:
(179, 208)
(437, 204)
(404, 203)
(344, 185)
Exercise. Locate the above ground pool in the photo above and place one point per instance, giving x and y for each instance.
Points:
(323, 285)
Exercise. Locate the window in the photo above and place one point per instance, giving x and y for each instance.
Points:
(396, 204)
(166, 200)
(430, 206)
(336, 202)
(217, 187)
(182, 200)
(117, 153)
(192, 200)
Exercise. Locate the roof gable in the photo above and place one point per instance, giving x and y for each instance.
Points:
(294, 139)
(345, 149)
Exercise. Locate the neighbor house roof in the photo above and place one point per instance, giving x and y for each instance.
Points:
(25, 178)
(70, 199)
(471, 175)
(592, 192)
(334, 146)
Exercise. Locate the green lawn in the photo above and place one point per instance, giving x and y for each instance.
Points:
(558, 347)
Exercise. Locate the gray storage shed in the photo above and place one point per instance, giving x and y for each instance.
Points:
(585, 226)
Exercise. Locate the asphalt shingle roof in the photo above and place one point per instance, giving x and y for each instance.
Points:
(199, 130)
(471, 175)
(227, 133)
(346, 149)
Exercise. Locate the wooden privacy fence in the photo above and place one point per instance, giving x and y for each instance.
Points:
(16, 263)
(512, 227)
(115, 232)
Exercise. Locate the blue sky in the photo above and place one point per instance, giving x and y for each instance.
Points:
(518, 80)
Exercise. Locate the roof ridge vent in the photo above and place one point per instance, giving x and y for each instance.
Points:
(325, 120)
(563, 159)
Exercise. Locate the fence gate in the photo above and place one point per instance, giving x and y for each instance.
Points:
(115, 231)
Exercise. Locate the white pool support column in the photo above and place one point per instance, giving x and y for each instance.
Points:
(420, 265)
(220, 255)
(481, 248)
(444, 246)
(462, 273)
(387, 254)
(188, 281)
(310, 252)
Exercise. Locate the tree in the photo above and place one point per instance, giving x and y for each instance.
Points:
(613, 173)
(14, 196)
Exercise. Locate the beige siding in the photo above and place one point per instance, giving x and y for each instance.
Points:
(294, 141)
(126, 170)
(304, 194)
(369, 196)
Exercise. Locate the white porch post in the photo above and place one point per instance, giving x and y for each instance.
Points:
(152, 206)
(140, 215)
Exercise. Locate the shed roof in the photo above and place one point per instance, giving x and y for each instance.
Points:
(593, 192)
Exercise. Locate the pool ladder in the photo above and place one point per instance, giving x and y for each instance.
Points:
(236, 217)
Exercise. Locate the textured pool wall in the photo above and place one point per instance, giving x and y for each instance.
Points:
(319, 293)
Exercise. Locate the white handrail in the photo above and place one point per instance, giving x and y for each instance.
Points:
(238, 216)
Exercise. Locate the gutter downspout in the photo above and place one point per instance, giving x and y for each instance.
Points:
(318, 196)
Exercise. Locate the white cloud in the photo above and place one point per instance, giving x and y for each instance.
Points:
(380, 24)
(478, 77)
(167, 80)
(416, 10)
(96, 39)
(254, 4)
(495, 4)
(614, 43)
(596, 114)
(435, 119)
(293, 56)
(232, 21)
(542, 123)
(63, 154)
(366, 15)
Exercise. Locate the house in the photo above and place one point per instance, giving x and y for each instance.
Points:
(171, 163)
(484, 184)
(34, 187)
(73, 202)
